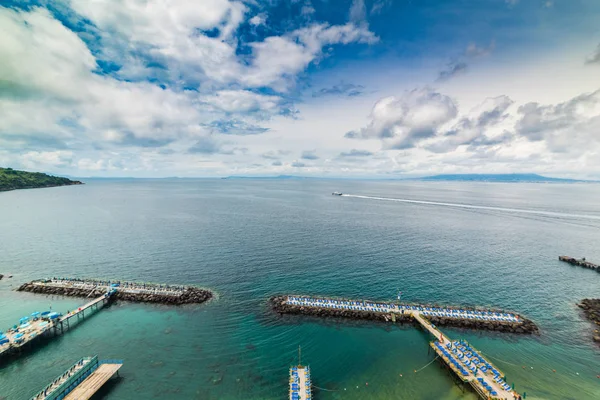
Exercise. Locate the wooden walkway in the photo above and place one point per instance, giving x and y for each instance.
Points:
(81, 310)
(94, 382)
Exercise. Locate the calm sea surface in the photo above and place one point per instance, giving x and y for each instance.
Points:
(251, 239)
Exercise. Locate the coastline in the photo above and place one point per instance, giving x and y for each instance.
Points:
(73, 183)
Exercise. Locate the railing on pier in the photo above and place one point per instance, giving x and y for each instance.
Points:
(58, 393)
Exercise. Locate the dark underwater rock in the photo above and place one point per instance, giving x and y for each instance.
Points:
(591, 310)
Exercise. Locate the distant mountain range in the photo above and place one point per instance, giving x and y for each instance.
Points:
(444, 177)
(497, 178)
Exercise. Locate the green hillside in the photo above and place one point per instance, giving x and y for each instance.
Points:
(11, 179)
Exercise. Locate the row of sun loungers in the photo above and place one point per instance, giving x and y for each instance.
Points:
(474, 358)
(295, 391)
(461, 355)
(452, 360)
(130, 287)
(386, 307)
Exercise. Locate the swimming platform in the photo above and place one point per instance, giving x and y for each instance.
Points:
(300, 383)
(32, 328)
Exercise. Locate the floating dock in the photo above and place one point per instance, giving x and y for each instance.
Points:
(38, 325)
(128, 291)
(461, 358)
(81, 381)
(582, 262)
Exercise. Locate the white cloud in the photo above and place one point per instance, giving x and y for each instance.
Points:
(478, 127)
(258, 19)
(162, 23)
(44, 159)
(39, 55)
(358, 11)
(572, 126)
(242, 101)
(402, 122)
(278, 59)
(171, 32)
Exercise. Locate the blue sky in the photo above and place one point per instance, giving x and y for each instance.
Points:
(357, 88)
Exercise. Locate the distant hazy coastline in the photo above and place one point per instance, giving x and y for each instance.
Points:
(526, 178)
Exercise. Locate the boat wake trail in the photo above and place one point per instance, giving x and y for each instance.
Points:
(476, 207)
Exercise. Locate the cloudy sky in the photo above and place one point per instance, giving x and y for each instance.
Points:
(340, 88)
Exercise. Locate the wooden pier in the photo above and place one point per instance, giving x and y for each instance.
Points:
(80, 311)
(31, 329)
(581, 262)
(86, 389)
(81, 381)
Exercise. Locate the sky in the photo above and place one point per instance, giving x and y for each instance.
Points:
(329, 88)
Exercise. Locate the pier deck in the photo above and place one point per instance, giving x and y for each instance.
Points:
(300, 383)
(94, 382)
(471, 368)
(44, 324)
(81, 310)
(81, 381)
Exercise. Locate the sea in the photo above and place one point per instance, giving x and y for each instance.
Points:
(455, 243)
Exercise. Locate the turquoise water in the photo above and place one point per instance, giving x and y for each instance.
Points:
(250, 239)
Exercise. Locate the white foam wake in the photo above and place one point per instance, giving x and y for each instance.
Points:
(476, 207)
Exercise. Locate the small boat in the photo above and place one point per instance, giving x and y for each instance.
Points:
(336, 193)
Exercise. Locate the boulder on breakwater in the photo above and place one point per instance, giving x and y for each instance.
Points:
(190, 295)
(591, 310)
(526, 326)
(280, 305)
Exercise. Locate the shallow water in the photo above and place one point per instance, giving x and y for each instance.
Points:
(250, 239)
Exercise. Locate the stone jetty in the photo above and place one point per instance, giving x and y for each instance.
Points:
(591, 310)
(464, 317)
(582, 262)
(127, 291)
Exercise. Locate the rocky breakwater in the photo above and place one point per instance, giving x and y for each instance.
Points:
(591, 310)
(191, 295)
(525, 326)
(281, 306)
